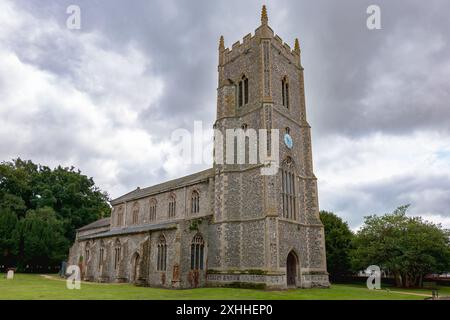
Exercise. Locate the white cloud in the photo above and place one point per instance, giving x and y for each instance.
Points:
(87, 115)
(377, 173)
(342, 160)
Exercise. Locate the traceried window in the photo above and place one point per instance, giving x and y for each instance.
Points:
(101, 256)
(152, 210)
(87, 253)
(161, 254)
(197, 252)
(195, 202)
(288, 190)
(243, 91)
(135, 217)
(285, 92)
(120, 216)
(117, 254)
(172, 206)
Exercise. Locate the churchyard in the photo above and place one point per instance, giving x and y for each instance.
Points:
(43, 287)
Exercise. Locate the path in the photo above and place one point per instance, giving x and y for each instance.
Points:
(412, 293)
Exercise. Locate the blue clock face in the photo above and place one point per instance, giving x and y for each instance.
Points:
(288, 141)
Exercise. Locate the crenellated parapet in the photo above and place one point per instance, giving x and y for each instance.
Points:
(238, 48)
(241, 47)
(293, 55)
(263, 32)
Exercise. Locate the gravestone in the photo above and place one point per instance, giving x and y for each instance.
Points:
(10, 275)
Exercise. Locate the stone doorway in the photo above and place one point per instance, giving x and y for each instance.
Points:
(135, 267)
(291, 269)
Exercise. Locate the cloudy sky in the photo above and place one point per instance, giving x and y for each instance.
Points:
(107, 97)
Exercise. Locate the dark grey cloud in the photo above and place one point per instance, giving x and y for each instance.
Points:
(349, 68)
(359, 83)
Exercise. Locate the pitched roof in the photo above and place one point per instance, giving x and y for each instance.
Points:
(105, 222)
(165, 186)
(131, 230)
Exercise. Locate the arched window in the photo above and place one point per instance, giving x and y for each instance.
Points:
(195, 202)
(197, 252)
(172, 206)
(287, 130)
(162, 254)
(288, 189)
(120, 216)
(243, 91)
(285, 92)
(87, 253)
(135, 217)
(152, 210)
(117, 254)
(101, 255)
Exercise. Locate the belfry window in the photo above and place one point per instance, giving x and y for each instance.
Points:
(172, 206)
(285, 92)
(197, 252)
(162, 254)
(195, 202)
(288, 190)
(243, 91)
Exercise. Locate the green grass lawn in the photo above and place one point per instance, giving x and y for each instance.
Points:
(31, 286)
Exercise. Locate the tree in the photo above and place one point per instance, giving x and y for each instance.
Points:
(407, 247)
(338, 243)
(34, 200)
(74, 197)
(8, 224)
(41, 238)
(16, 185)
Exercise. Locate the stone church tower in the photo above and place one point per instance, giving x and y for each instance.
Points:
(266, 228)
(229, 225)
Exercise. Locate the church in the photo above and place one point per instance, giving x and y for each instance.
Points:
(228, 225)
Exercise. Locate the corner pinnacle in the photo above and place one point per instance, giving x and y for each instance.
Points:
(297, 46)
(264, 17)
(221, 44)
